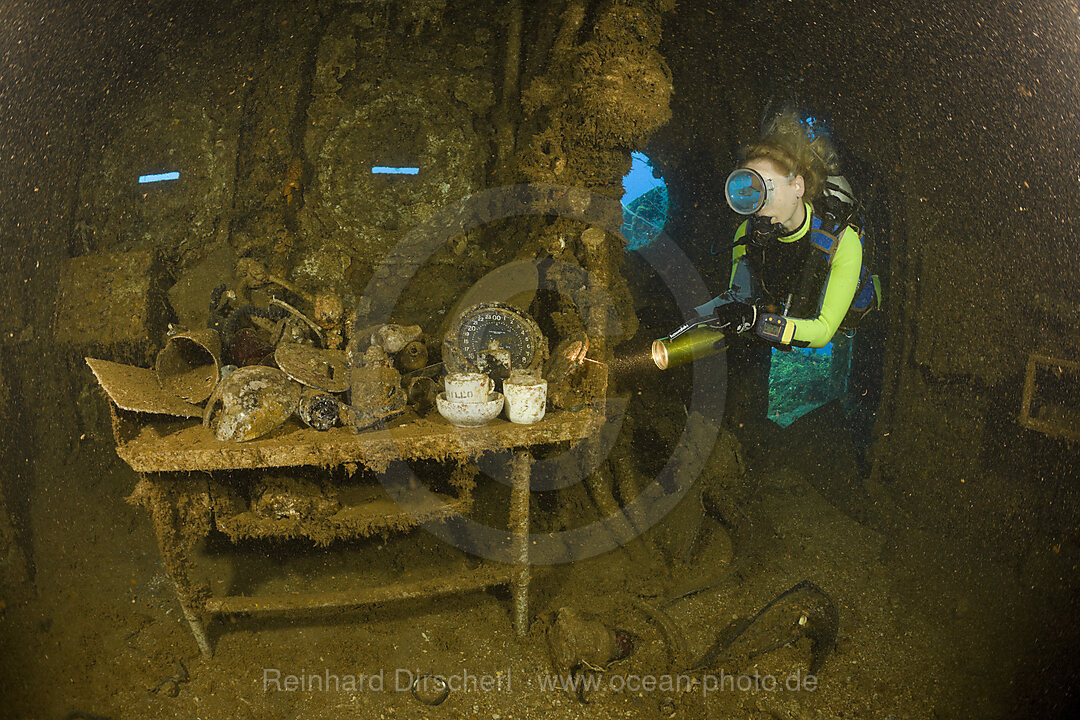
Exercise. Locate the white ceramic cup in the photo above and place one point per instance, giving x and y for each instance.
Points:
(526, 399)
(468, 387)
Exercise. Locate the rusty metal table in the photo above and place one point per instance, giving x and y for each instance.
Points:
(166, 451)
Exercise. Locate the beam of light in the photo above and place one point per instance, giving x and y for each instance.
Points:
(159, 177)
(385, 170)
(629, 365)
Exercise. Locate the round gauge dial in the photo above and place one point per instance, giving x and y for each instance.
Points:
(496, 327)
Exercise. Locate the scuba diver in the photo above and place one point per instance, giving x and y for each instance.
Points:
(797, 262)
(797, 271)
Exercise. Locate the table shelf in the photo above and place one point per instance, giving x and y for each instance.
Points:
(178, 445)
(359, 517)
(487, 575)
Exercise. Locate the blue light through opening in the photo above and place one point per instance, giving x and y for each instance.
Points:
(645, 203)
(159, 177)
(386, 170)
(804, 379)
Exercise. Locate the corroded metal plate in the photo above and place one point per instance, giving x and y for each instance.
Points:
(137, 389)
(325, 370)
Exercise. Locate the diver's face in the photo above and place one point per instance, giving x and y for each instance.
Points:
(785, 204)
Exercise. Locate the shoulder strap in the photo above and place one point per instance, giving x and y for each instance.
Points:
(824, 239)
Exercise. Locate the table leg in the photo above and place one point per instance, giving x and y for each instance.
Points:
(520, 472)
(177, 562)
(180, 513)
(198, 629)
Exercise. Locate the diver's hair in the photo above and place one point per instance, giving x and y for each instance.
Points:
(787, 142)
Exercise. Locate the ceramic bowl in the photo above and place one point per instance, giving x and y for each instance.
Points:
(470, 414)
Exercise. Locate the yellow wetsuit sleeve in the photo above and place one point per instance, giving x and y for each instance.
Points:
(737, 251)
(840, 287)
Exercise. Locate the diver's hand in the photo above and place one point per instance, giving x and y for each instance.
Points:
(735, 316)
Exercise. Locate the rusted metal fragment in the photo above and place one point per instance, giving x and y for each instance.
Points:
(314, 367)
(137, 389)
(190, 363)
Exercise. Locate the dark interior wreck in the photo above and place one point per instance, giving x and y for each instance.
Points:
(253, 250)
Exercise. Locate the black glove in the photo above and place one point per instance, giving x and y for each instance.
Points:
(735, 316)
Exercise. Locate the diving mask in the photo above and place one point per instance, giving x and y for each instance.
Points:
(748, 190)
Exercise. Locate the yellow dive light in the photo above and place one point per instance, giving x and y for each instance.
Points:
(694, 340)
